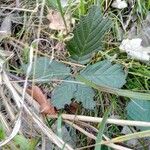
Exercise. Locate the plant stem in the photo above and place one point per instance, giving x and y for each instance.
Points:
(62, 14)
(98, 120)
(119, 92)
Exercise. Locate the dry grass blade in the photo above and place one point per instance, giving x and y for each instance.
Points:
(121, 138)
(6, 104)
(18, 120)
(14, 131)
(30, 101)
(127, 137)
(11, 89)
(4, 122)
(97, 120)
(47, 131)
(55, 139)
(115, 146)
(7, 128)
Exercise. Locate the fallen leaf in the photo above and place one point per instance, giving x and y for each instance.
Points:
(120, 4)
(57, 22)
(45, 106)
(134, 49)
(73, 107)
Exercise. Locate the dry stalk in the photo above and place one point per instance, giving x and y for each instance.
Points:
(7, 106)
(112, 145)
(7, 129)
(47, 131)
(98, 120)
(30, 101)
(20, 9)
(4, 122)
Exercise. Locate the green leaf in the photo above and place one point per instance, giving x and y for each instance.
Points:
(104, 73)
(33, 143)
(68, 90)
(63, 94)
(45, 69)
(59, 126)
(88, 35)
(22, 142)
(119, 92)
(64, 3)
(139, 110)
(2, 132)
(52, 3)
(85, 95)
(101, 130)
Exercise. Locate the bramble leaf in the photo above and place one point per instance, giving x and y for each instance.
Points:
(68, 90)
(88, 35)
(139, 110)
(45, 69)
(105, 74)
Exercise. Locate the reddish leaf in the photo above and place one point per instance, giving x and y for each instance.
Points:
(73, 108)
(45, 106)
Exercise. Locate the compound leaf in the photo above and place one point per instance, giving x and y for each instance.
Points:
(63, 94)
(67, 90)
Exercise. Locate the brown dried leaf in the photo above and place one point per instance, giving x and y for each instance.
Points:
(73, 108)
(45, 106)
(56, 21)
